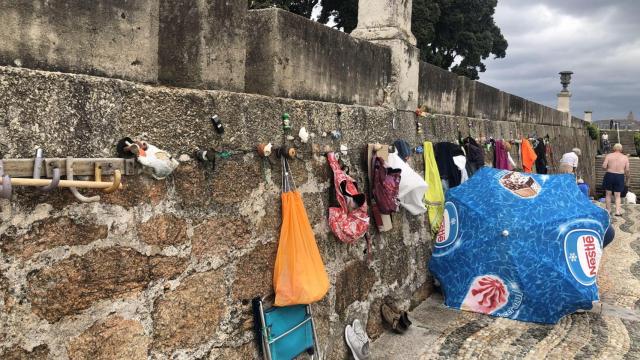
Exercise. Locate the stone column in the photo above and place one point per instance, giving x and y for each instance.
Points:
(564, 96)
(388, 22)
(587, 115)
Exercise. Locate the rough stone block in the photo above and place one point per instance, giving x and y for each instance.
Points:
(190, 314)
(217, 236)
(114, 38)
(290, 56)
(40, 352)
(202, 43)
(353, 283)
(51, 233)
(163, 230)
(74, 284)
(254, 273)
(438, 89)
(112, 338)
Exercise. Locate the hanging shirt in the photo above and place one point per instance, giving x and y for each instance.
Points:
(412, 186)
(528, 156)
(501, 157)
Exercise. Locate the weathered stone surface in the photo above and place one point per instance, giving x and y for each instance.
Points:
(108, 37)
(202, 44)
(353, 283)
(51, 233)
(192, 186)
(40, 352)
(137, 190)
(74, 284)
(111, 339)
(234, 180)
(254, 272)
(190, 314)
(290, 57)
(375, 327)
(163, 230)
(217, 236)
(246, 351)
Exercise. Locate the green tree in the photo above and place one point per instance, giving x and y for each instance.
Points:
(456, 35)
(300, 7)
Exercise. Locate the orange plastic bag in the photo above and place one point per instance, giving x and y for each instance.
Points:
(299, 276)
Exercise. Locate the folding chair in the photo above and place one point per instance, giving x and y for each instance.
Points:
(285, 332)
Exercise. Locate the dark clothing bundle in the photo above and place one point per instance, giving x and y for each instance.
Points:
(445, 151)
(541, 160)
(475, 154)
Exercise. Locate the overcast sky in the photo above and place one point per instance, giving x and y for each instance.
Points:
(599, 40)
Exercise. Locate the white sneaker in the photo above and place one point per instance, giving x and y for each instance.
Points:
(357, 340)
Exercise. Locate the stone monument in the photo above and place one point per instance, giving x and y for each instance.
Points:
(388, 22)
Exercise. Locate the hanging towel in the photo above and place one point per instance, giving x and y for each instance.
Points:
(434, 196)
(501, 159)
(461, 163)
(412, 186)
(528, 156)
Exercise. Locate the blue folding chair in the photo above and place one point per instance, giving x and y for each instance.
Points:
(285, 332)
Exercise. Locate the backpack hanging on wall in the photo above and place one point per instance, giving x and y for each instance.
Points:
(385, 186)
(350, 221)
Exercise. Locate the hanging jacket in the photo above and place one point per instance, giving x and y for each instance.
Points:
(475, 154)
(445, 151)
(386, 184)
(541, 160)
(350, 221)
(528, 156)
(412, 186)
(501, 159)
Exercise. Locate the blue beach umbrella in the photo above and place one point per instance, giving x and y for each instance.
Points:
(521, 246)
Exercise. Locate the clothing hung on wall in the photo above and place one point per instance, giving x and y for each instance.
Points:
(528, 156)
(475, 154)
(541, 160)
(444, 153)
(500, 156)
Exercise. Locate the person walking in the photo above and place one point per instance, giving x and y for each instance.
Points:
(569, 161)
(617, 166)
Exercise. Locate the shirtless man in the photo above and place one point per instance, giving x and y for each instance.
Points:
(617, 166)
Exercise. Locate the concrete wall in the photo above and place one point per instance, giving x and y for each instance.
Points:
(190, 43)
(114, 38)
(166, 268)
(290, 56)
(202, 43)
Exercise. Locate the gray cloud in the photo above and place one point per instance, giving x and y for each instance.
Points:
(598, 40)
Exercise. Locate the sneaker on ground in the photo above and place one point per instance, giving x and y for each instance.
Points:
(358, 344)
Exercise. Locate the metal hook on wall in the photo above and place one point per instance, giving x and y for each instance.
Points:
(37, 170)
(117, 178)
(75, 191)
(5, 188)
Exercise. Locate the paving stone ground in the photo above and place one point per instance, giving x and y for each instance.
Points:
(610, 331)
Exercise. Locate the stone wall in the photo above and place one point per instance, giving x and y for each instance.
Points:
(168, 268)
(290, 56)
(191, 43)
(114, 38)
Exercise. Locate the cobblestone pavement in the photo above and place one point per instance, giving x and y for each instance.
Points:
(610, 331)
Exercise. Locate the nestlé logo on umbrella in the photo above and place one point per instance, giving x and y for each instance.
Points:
(448, 233)
(583, 250)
